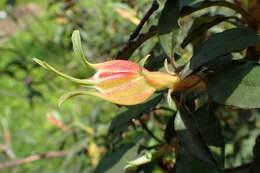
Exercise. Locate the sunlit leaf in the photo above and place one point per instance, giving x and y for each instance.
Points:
(115, 160)
(168, 26)
(220, 44)
(236, 85)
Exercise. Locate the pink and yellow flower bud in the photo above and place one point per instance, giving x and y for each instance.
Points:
(125, 83)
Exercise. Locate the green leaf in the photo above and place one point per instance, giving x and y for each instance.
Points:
(168, 26)
(188, 7)
(157, 58)
(134, 164)
(170, 132)
(236, 85)
(211, 131)
(186, 3)
(191, 138)
(220, 62)
(231, 40)
(115, 160)
(256, 165)
(122, 121)
(199, 28)
(186, 163)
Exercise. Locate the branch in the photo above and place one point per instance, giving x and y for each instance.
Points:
(137, 30)
(33, 158)
(131, 46)
(149, 131)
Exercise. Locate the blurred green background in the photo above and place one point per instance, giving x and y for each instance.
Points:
(30, 120)
(29, 116)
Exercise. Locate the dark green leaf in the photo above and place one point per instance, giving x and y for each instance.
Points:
(149, 167)
(168, 26)
(236, 85)
(256, 165)
(157, 58)
(170, 132)
(122, 121)
(200, 27)
(231, 40)
(115, 160)
(188, 7)
(145, 158)
(211, 131)
(186, 163)
(185, 3)
(191, 138)
(220, 62)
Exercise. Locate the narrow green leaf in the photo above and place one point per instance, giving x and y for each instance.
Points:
(134, 164)
(211, 131)
(187, 163)
(189, 3)
(191, 138)
(122, 121)
(200, 27)
(256, 165)
(115, 160)
(168, 26)
(236, 85)
(170, 132)
(155, 62)
(231, 40)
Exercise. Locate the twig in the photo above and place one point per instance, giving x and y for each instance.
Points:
(149, 131)
(154, 7)
(131, 46)
(33, 158)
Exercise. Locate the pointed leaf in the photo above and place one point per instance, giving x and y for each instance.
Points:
(219, 44)
(187, 163)
(134, 164)
(191, 138)
(115, 160)
(121, 122)
(168, 26)
(211, 131)
(200, 27)
(256, 165)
